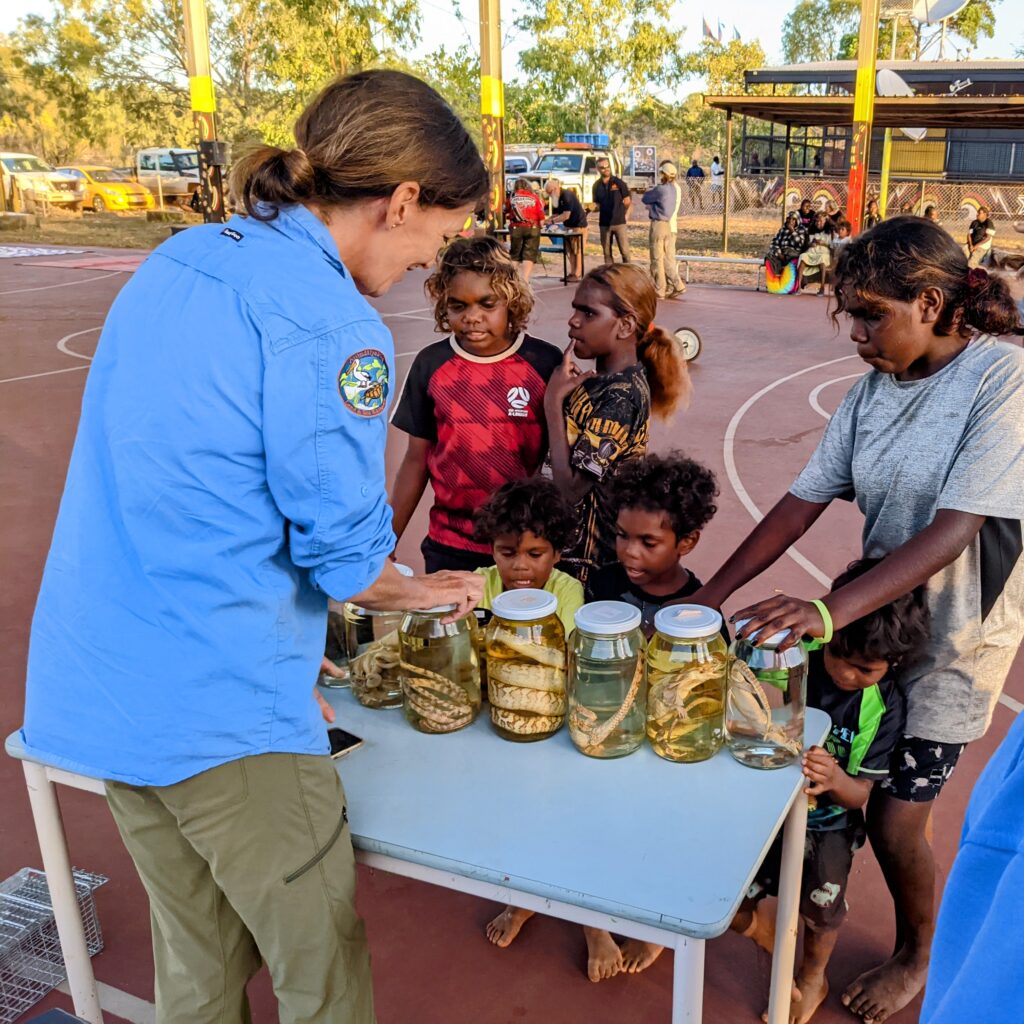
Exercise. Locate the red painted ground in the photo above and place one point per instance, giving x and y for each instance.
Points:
(432, 964)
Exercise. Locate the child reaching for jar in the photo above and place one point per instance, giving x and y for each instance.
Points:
(852, 679)
(527, 524)
(660, 505)
(473, 404)
(600, 418)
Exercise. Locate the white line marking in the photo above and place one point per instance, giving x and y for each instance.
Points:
(407, 312)
(64, 284)
(47, 373)
(728, 450)
(62, 345)
(1014, 705)
(812, 398)
(121, 1003)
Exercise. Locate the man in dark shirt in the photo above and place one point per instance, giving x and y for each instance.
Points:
(611, 197)
(567, 209)
(695, 182)
(979, 238)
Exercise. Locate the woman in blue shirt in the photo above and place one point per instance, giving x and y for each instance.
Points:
(226, 479)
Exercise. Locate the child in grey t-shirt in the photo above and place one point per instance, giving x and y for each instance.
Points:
(930, 445)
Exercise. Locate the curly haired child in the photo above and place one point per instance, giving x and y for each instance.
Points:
(473, 404)
(527, 524)
(600, 418)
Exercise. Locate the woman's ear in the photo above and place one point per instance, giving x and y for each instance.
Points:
(931, 302)
(403, 199)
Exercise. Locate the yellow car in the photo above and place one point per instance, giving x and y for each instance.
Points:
(107, 189)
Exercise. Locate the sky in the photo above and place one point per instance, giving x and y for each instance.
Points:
(754, 19)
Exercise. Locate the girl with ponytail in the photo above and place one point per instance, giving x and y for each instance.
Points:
(597, 418)
(930, 444)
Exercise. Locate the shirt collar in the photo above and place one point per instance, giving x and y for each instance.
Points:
(304, 226)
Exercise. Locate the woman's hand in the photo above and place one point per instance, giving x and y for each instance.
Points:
(327, 667)
(463, 589)
(780, 613)
(564, 381)
(822, 769)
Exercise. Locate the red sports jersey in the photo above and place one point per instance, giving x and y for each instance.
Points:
(484, 417)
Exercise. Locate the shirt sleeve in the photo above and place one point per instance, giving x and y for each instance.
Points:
(569, 592)
(625, 189)
(875, 763)
(415, 414)
(986, 477)
(324, 446)
(829, 472)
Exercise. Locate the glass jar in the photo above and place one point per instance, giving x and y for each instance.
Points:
(687, 667)
(607, 680)
(439, 670)
(334, 648)
(526, 665)
(764, 718)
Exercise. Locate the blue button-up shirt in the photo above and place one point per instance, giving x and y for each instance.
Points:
(227, 477)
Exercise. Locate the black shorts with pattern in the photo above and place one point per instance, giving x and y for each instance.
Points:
(828, 856)
(920, 768)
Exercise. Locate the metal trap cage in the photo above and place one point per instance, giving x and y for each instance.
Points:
(31, 962)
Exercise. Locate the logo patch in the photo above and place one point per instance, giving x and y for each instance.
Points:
(235, 236)
(364, 383)
(518, 401)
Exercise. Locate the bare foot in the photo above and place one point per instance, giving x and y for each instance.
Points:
(807, 998)
(879, 993)
(762, 929)
(505, 927)
(604, 958)
(637, 956)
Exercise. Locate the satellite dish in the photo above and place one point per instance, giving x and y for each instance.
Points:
(931, 12)
(888, 83)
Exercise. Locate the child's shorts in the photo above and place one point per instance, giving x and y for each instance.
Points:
(524, 244)
(828, 856)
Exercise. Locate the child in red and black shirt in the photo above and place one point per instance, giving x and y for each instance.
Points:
(473, 404)
(526, 214)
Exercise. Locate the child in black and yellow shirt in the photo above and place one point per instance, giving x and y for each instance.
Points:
(852, 679)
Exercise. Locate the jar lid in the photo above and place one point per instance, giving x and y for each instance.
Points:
(606, 618)
(524, 605)
(436, 610)
(771, 641)
(686, 621)
(403, 570)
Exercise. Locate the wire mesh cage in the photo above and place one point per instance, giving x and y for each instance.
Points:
(31, 962)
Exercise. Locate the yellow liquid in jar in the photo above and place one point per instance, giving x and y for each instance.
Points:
(685, 705)
(440, 681)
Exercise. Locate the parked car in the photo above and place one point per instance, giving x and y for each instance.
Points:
(109, 189)
(172, 174)
(32, 183)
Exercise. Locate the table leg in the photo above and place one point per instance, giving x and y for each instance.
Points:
(53, 846)
(688, 981)
(787, 917)
(565, 261)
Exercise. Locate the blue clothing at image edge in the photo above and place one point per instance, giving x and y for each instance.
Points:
(227, 476)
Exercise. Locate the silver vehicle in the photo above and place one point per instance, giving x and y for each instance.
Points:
(31, 184)
(168, 172)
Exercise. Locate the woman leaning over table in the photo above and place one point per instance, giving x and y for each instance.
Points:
(226, 479)
(930, 444)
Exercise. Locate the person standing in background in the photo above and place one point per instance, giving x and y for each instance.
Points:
(567, 209)
(717, 180)
(525, 216)
(662, 204)
(612, 199)
(695, 182)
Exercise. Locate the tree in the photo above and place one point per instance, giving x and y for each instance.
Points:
(585, 52)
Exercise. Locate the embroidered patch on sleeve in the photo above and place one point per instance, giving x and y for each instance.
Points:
(364, 383)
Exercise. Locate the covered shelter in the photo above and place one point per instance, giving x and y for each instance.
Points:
(926, 111)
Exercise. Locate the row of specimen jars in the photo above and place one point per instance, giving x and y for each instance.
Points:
(684, 690)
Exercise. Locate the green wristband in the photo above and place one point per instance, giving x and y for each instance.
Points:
(826, 618)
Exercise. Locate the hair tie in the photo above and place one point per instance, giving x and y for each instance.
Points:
(977, 277)
(651, 328)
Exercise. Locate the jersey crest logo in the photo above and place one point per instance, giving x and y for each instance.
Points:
(364, 383)
(518, 401)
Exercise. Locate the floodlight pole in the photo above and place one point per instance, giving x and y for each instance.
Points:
(883, 185)
(863, 113)
(212, 153)
(728, 181)
(492, 107)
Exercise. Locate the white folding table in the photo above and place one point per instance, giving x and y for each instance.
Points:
(645, 848)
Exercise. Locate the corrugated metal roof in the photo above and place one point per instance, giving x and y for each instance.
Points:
(942, 67)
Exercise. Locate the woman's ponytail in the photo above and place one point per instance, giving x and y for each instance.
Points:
(274, 177)
(989, 305)
(666, 370)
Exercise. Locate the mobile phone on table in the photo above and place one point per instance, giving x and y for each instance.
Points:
(342, 742)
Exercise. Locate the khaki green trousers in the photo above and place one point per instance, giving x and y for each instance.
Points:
(248, 862)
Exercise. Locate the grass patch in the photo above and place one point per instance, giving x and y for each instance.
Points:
(105, 230)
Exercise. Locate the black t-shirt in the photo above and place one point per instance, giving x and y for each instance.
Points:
(612, 584)
(979, 229)
(568, 202)
(608, 198)
(844, 708)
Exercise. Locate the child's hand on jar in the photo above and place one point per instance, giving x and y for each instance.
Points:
(822, 769)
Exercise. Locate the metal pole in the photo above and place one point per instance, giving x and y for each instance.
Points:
(785, 179)
(492, 107)
(863, 113)
(728, 181)
(212, 154)
(883, 185)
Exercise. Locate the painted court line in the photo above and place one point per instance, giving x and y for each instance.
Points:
(120, 1003)
(63, 284)
(62, 345)
(46, 373)
(813, 397)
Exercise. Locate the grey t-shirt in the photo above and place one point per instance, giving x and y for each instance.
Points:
(904, 450)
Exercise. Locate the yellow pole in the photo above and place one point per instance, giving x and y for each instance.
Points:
(728, 181)
(204, 106)
(785, 179)
(883, 185)
(492, 107)
(863, 113)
